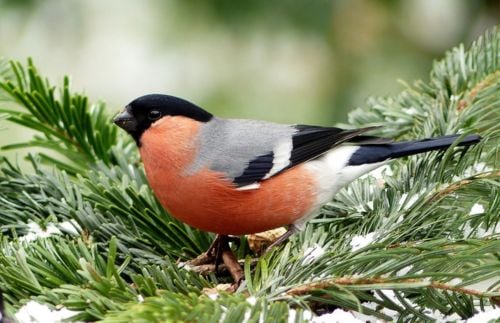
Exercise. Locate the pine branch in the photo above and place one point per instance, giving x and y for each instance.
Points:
(77, 275)
(191, 307)
(430, 109)
(104, 209)
(377, 283)
(431, 220)
(66, 122)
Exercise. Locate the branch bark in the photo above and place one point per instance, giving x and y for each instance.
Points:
(350, 281)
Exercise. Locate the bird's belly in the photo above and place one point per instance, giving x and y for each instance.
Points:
(208, 202)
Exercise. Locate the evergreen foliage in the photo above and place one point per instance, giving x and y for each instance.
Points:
(114, 244)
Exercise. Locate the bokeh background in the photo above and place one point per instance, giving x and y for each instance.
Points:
(288, 61)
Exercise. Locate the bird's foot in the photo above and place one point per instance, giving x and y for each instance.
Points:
(203, 259)
(213, 252)
(219, 253)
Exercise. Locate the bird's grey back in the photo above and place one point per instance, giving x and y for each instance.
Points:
(228, 145)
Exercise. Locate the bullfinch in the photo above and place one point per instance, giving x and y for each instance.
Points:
(236, 176)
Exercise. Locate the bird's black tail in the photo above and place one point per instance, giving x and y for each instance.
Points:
(376, 153)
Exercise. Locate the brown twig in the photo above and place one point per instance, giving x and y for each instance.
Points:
(461, 290)
(346, 281)
(322, 284)
(450, 189)
(490, 79)
(458, 185)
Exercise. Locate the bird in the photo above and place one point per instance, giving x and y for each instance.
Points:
(235, 177)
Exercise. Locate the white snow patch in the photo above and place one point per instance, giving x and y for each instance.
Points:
(485, 285)
(494, 229)
(223, 314)
(307, 315)
(251, 300)
(408, 202)
(441, 318)
(35, 232)
(412, 200)
(455, 281)
(213, 296)
(427, 280)
(389, 293)
(491, 315)
(359, 241)
(402, 199)
(410, 111)
(337, 316)
(473, 170)
(312, 253)
(246, 317)
(435, 314)
(405, 270)
(386, 311)
(476, 209)
(292, 314)
(34, 312)
(480, 232)
(366, 318)
(466, 230)
(359, 208)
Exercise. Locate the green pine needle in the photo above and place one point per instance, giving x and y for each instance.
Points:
(116, 255)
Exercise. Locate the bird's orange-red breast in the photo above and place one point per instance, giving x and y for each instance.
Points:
(209, 201)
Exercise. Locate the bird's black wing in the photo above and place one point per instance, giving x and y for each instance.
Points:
(310, 142)
(307, 142)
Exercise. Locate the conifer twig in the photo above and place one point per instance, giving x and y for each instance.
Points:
(351, 281)
(458, 185)
(462, 104)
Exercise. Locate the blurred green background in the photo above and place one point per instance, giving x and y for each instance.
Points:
(291, 61)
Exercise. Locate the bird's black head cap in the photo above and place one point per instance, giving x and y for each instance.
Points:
(145, 110)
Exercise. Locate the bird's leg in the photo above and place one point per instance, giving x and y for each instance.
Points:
(218, 239)
(221, 245)
(214, 252)
(220, 252)
(210, 255)
(224, 254)
(214, 245)
(290, 230)
(233, 267)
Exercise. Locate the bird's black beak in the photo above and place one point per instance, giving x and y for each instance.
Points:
(126, 121)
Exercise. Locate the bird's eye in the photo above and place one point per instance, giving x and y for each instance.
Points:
(154, 115)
